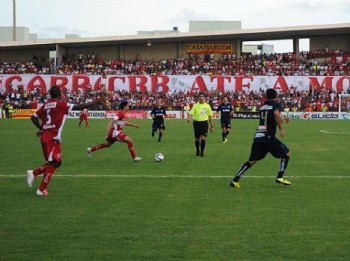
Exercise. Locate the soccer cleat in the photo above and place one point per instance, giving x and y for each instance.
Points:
(283, 181)
(42, 193)
(30, 178)
(234, 184)
(89, 152)
(225, 141)
(136, 159)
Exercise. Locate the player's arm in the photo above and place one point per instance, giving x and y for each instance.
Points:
(80, 107)
(110, 123)
(211, 128)
(132, 124)
(210, 118)
(36, 122)
(190, 114)
(279, 120)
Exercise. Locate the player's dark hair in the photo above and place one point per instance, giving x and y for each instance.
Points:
(123, 104)
(271, 94)
(55, 92)
(201, 93)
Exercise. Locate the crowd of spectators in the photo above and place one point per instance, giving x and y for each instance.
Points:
(318, 62)
(293, 100)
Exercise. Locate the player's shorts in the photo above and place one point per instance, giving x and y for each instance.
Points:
(83, 117)
(114, 135)
(225, 123)
(200, 128)
(260, 149)
(158, 125)
(52, 150)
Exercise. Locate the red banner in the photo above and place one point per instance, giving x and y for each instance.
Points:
(172, 83)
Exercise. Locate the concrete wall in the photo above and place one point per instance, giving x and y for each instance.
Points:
(334, 42)
(23, 55)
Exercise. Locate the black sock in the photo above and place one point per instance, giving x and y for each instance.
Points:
(223, 136)
(196, 143)
(160, 136)
(202, 147)
(241, 171)
(283, 166)
(227, 133)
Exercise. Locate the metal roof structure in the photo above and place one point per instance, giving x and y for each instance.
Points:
(256, 34)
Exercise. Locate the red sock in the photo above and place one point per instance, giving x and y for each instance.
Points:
(98, 147)
(49, 171)
(39, 170)
(86, 124)
(132, 149)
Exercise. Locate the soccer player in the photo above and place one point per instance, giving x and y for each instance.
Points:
(116, 126)
(84, 117)
(226, 112)
(157, 115)
(265, 140)
(50, 119)
(201, 113)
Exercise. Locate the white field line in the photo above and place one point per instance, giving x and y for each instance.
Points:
(172, 176)
(335, 132)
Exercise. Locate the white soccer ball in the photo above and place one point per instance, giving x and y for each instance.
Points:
(159, 157)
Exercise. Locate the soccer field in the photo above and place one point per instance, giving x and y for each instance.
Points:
(110, 208)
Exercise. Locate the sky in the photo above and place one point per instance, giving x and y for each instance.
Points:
(94, 18)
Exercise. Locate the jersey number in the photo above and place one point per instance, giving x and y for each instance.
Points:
(263, 116)
(48, 117)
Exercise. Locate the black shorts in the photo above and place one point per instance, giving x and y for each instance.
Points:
(158, 125)
(260, 149)
(200, 128)
(226, 123)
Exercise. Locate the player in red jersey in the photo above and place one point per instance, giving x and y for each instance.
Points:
(84, 117)
(116, 126)
(50, 119)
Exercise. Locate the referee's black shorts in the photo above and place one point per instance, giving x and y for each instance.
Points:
(200, 128)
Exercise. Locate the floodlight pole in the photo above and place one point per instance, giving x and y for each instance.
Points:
(14, 21)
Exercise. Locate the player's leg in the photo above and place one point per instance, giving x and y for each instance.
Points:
(197, 135)
(31, 174)
(54, 161)
(100, 146)
(228, 128)
(258, 152)
(161, 129)
(86, 123)
(154, 128)
(110, 139)
(223, 134)
(131, 147)
(203, 135)
(281, 151)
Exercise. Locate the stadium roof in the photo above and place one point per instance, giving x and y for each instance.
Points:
(274, 33)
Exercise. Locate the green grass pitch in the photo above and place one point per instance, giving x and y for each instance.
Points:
(110, 208)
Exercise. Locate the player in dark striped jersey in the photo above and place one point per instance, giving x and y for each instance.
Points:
(265, 140)
(226, 112)
(157, 115)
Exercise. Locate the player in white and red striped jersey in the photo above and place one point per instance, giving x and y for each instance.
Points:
(115, 133)
(84, 117)
(50, 119)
